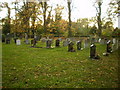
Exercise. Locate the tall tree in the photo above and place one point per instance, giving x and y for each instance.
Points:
(7, 26)
(69, 17)
(44, 7)
(98, 5)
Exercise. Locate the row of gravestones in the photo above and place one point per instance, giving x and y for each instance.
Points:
(115, 42)
(70, 44)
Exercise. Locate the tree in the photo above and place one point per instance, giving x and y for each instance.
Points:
(7, 24)
(44, 7)
(69, 17)
(98, 5)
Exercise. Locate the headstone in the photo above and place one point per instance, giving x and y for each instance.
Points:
(3, 38)
(57, 43)
(43, 40)
(26, 36)
(65, 43)
(8, 38)
(78, 45)
(70, 47)
(15, 38)
(99, 40)
(92, 51)
(18, 42)
(92, 40)
(33, 42)
(102, 41)
(93, 54)
(109, 48)
(27, 41)
(48, 43)
(86, 43)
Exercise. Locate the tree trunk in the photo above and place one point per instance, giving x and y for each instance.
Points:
(69, 17)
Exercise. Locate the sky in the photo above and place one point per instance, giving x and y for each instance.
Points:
(80, 9)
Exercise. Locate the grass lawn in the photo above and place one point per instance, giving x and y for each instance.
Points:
(25, 67)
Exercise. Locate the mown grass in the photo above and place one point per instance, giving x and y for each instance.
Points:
(25, 67)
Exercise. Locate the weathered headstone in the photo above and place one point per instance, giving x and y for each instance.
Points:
(3, 38)
(86, 43)
(93, 54)
(78, 45)
(93, 40)
(15, 38)
(18, 42)
(70, 47)
(92, 51)
(48, 43)
(33, 42)
(65, 43)
(27, 41)
(102, 41)
(57, 43)
(43, 40)
(109, 48)
(8, 38)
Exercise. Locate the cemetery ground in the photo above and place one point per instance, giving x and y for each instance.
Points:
(25, 67)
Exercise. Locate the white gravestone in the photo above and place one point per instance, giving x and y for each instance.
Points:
(18, 42)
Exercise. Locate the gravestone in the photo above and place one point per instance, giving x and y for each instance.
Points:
(70, 47)
(43, 40)
(78, 45)
(86, 43)
(102, 41)
(92, 51)
(57, 43)
(65, 43)
(109, 48)
(15, 38)
(8, 38)
(93, 54)
(18, 42)
(93, 40)
(48, 43)
(33, 42)
(105, 41)
(3, 38)
(27, 41)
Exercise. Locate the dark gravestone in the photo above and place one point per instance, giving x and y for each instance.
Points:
(57, 43)
(48, 43)
(93, 54)
(33, 42)
(15, 38)
(79, 45)
(70, 47)
(109, 48)
(92, 50)
(8, 38)
(3, 38)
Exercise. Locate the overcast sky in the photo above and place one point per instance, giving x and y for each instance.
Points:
(80, 9)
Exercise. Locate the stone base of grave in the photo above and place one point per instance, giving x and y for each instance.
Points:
(105, 54)
(73, 50)
(97, 57)
(35, 47)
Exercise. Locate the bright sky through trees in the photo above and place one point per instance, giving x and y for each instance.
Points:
(80, 9)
